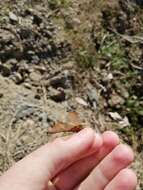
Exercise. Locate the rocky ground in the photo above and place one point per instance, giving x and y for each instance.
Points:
(66, 64)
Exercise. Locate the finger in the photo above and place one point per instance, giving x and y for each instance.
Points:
(94, 146)
(110, 140)
(126, 179)
(68, 180)
(43, 164)
(117, 160)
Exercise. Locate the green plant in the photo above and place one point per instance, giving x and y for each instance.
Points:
(85, 59)
(112, 50)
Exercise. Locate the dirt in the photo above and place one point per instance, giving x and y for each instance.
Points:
(60, 57)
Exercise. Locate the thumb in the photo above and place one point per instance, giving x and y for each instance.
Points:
(35, 170)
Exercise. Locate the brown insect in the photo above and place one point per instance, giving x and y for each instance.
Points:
(72, 124)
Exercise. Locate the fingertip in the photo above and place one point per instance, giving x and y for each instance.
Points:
(86, 134)
(110, 139)
(127, 179)
(123, 154)
(82, 141)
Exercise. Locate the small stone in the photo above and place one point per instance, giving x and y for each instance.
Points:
(64, 80)
(110, 76)
(35, 60)
(57, 95)
(41, 69)
(13, 17)
(124, 123)
(93, 97)
(81, 101)
(115, 116)
(30, 52)
(35, 77)
(12, 62)
(18, 78)
(27, 85)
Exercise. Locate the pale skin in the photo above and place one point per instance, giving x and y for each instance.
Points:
(85, 161)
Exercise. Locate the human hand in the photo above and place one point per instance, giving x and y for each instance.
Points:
(85, 161)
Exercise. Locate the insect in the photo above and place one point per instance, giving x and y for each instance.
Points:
(72, 124)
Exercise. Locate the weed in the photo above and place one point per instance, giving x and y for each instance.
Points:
(112, 50)
(85, 59)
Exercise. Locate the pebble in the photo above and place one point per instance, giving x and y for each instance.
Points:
(92, 97)
(124, 123)
(57, 95)
(115, 116)
(41, 69)
(35, 77)
(64, 80)
(81, 101)
(109, 77)
(18, 78)
(27, 85)
(12, 62)
(13, 17)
